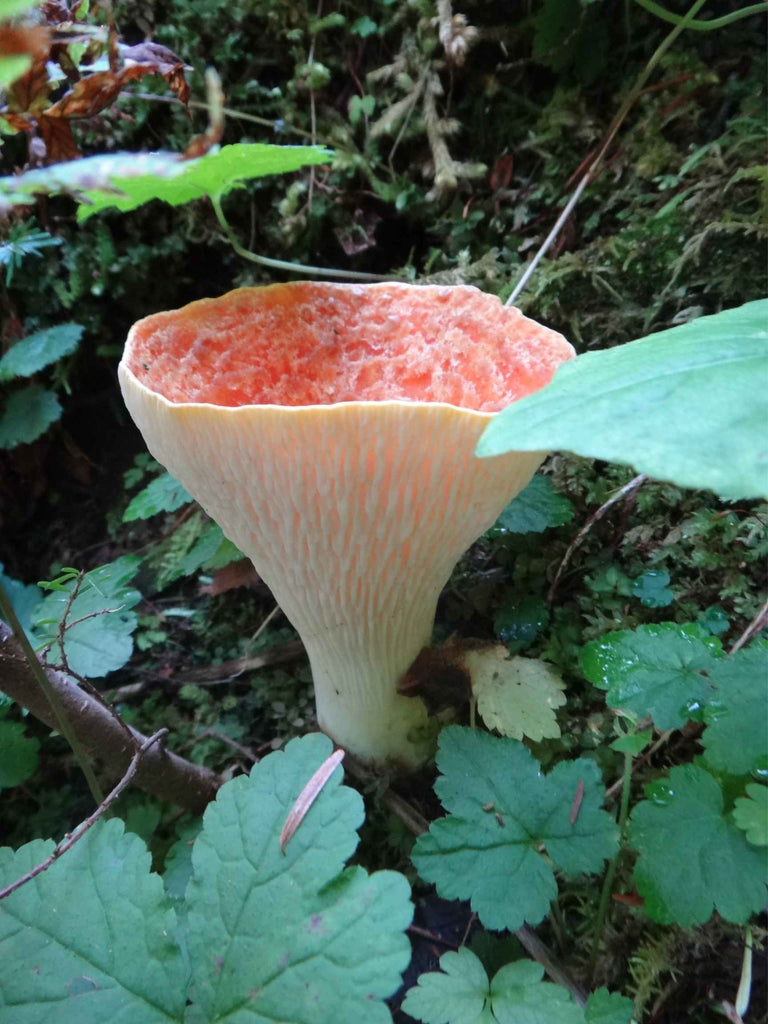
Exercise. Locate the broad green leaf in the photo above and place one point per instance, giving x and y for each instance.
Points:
(178, 862)
(632, 742)
(24, 599)
(459, 993)
(736, 737)
(604, 1007)
(291, 936)
(501, 810)
(518, 623)
(516, 696)
(18, 755)
(662, 671)
(103, 642)
(688, 404)
(33, 353)
(12, 8)
(519, 996)
(164, 494)
(693, 859)
(534, 510)
(203, 550)
(751, 814)
(27, 415)
(89, 941)
(123, 181)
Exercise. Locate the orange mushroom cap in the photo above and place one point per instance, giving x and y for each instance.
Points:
(330, 431)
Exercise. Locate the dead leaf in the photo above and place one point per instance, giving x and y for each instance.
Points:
(230, 577)
(439, 677)
(59, 141)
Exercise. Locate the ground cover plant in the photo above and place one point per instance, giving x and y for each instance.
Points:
(590, 843)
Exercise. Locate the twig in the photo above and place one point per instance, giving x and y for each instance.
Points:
(623, 492)
(161, 772)
(617, 122)
(613, 790)
(42, 685)
(759, 622)
(307, 797)
(246, 752)
(69, 841)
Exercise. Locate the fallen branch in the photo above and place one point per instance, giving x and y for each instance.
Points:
(160, 772)
(71, 838)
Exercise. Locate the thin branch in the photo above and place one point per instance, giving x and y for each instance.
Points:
(623, 492)
(759, 622)
(161, 772)
(69, 841)
(293, 268)
(617, 122)
(703, 26)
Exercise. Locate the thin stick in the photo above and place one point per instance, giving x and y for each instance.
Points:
(759, 622)
(59, 714)
(69, 841)
(617, 122)
(307, 797)
(634, 484)
(293, 268)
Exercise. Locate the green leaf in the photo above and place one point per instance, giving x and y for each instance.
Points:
(501, 808)
(534, 510)
(687, 404)
(518, 623)
(736, 737)
(89, 940)
(693, 859)
(33, 353)
(291, 937)
(124, 181)
(18, 755)
(652, 589)
(364, 27)
(13, 66)
(516, 696)
(11, 8)
(751, 814)
(519, 996)
(24, 599)
(604, 1007)
(164, 494)
(104, 642)
(632, 742)
(459, 993)
(178, 862)
(28, 414)
(662, 671)
(203, 550)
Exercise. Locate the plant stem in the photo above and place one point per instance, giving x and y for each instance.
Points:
(605, 896)
(38, 672)
(703, 26)
(295, 268)
(637, 88)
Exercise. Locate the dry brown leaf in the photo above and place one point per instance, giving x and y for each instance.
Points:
(230, 577)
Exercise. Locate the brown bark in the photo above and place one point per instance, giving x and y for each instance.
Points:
(160, 772)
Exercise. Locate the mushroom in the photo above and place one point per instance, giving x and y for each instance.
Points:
(330, 431)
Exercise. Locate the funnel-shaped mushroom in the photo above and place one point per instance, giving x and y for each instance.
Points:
(330, 431)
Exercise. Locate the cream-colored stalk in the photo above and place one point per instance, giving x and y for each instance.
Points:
(354, 512)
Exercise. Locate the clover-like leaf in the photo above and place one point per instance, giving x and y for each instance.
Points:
(103, 641)
(516, 696)
(693, 858)
(459, 993)
(36, 351)
(27, 415)
(18, 754)
(291, 936)
(163, 494)
(501, 808)
(662, 671)
(604, 1007)
(750, 813)
(535, 509)
(520, 996)
(90, 939)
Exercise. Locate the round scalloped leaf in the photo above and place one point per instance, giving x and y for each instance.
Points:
(501, 810)
(516, 696)
(459, 993)
(90, 939)
(537, 507)
(27, 415)
(36, 351)
(750, 813)
(604, 1007)
(688, 404)
(693, 859)
(736, 737)
(291, 936)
